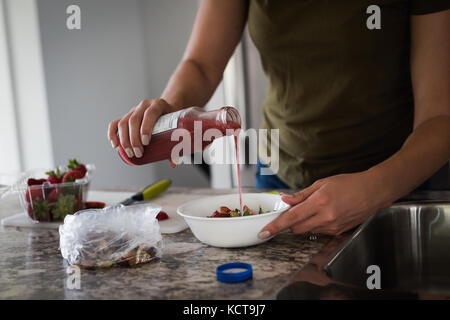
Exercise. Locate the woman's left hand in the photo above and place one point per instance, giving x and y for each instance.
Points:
(330, 206)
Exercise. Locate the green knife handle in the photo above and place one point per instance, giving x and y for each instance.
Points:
(155, 189)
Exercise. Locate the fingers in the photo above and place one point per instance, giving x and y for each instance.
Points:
(332, 227)
(301, 195)
(324, 222)
(134, 127)
(124, 134)
(157, 108)
(133, 131)
(307, 225)
(112, 133)
(296, 214)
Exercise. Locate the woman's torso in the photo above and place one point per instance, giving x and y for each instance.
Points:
(340, 93)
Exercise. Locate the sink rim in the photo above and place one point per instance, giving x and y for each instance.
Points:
(363, 226)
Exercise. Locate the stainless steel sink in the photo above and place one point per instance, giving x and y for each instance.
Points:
(409, 242)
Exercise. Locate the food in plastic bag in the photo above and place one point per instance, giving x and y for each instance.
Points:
(113, 236)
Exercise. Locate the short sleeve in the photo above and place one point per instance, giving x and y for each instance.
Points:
(428, 6)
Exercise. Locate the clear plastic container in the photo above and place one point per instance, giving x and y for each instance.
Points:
(7, 180)
(52, 202)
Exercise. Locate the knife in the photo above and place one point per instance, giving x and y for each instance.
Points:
(148, 192)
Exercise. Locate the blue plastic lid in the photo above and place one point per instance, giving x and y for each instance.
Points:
(234, 272)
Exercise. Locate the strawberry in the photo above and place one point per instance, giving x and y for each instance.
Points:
(54, 194)
(162, 216)
(94, 205)
(34, 190)
(55, 176)
(73, 175)
(35, 182)
(218, 214)
(33, 193)
(75, 165)
(224, 209)
(82, 168)
(54, 180)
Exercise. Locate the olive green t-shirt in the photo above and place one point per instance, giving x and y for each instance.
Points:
(339, 88)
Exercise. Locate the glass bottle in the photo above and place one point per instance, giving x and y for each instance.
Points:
(190, 119)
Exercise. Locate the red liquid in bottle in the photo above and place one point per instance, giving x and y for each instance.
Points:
(161, 144)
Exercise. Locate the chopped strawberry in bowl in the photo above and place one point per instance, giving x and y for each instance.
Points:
(51, 195)
(217, 221)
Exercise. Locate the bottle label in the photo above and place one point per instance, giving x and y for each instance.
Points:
(167, 122)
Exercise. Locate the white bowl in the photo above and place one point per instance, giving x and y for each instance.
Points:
(231, 232)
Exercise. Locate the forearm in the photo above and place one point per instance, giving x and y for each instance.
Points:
(189, 86)
(425, 151)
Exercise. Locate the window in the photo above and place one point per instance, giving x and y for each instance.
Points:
(25, 140)
(10, 160)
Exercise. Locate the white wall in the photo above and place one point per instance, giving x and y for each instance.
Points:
(124, 52)
(9, 140)
(26, 123)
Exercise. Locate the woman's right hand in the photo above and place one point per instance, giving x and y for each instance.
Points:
(134, 130)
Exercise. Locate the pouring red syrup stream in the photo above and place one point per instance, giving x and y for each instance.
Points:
(236, 145)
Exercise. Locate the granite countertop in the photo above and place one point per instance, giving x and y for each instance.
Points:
(31, 267)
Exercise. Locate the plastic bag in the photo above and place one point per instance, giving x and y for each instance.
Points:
(113, 236)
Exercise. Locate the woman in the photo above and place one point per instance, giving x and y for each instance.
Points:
(363, 107)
